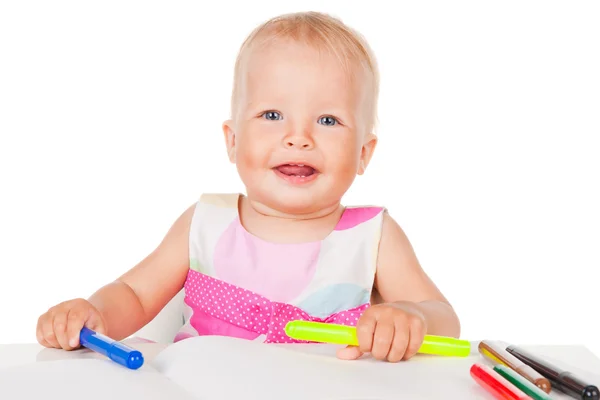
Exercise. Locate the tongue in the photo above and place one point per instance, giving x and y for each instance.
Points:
(295, 170)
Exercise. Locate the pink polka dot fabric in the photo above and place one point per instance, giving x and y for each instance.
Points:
(237, 307)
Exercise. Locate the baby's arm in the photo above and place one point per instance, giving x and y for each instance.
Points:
(122, 307)
(136, 297)
(409, 304)
(400, 279)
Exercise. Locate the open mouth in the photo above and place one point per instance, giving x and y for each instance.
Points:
(296, 174)
(296, 170)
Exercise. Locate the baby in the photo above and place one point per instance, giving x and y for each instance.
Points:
(303, 112)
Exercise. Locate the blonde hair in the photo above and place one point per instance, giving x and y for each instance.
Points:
(322, 31)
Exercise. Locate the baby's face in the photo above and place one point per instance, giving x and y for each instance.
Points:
(299, 137)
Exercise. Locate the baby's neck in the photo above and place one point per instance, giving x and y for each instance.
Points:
(273, 226)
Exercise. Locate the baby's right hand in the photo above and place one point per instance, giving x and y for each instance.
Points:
(59, 327)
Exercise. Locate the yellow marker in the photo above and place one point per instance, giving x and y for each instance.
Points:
(342, 334)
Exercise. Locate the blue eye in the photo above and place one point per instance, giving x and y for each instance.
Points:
(328, 121)
(272, 115)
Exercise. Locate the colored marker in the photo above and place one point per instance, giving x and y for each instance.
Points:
(497, 353)
(342, 334)
(520, 382)
(499, 387)
(116, 351)
(563, 380)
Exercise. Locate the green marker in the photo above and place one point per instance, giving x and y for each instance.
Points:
(520, 382)
(342, 334)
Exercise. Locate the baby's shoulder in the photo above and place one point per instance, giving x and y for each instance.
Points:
(391, 234)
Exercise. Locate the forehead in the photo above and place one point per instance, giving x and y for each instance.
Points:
(284, 66)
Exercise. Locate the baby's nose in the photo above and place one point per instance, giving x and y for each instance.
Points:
(303, 142)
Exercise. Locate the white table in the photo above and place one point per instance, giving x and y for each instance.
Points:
(20, 354)
(574, 358)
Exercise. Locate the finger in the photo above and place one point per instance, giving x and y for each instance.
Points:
(39, 331)
(349, 353)
(59, 325)
(382, 340)
(401, 340)
(365, 329)
(417, 334)
(39, 335)
(76, 319)
(94, 321)
(48, 332)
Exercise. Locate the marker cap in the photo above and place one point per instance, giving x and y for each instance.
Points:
(123, 355)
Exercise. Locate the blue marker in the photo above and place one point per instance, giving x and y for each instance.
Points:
(116, 351)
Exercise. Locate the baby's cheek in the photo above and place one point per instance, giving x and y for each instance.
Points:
(344, 153)
(345, 166)
(252, 154)
(246, 168)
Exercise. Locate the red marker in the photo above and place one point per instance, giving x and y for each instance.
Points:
(496, 384)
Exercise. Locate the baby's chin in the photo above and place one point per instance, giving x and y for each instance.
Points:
(291, 201)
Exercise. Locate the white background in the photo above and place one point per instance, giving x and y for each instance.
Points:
(110, 123)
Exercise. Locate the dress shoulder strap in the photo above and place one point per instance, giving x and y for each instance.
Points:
(214, 212)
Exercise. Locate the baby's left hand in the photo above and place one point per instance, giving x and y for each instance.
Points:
(392, 332)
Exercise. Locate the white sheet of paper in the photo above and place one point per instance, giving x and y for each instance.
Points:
(87, 379)
(225, 368)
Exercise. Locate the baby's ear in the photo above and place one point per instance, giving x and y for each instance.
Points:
(229, 139)
(367, 152)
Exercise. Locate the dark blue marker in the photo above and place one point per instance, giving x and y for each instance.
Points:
(116, 351)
